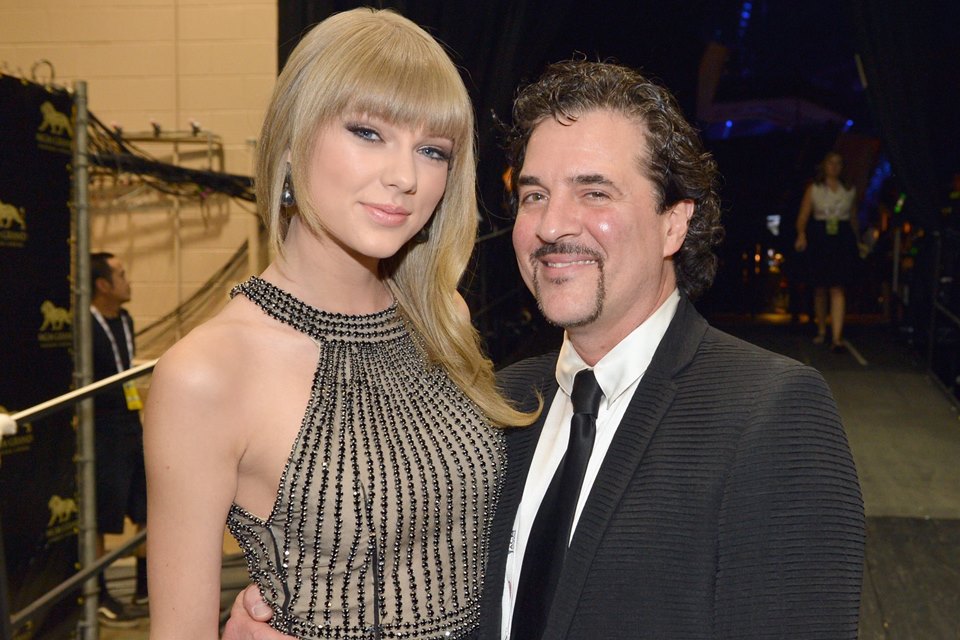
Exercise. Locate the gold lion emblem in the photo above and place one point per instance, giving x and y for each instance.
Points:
(10, 214)
(54, 121)
(61, 509)
(54, 317)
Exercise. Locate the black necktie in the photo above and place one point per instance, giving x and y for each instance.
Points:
(550, 534)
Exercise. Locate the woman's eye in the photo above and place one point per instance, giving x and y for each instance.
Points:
(364, 132)
(436, 153)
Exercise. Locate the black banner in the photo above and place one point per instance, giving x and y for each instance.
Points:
(38, 489)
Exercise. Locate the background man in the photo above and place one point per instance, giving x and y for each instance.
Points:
(121, 481)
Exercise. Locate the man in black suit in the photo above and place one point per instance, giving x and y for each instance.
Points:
(707, 490)
(719, 499)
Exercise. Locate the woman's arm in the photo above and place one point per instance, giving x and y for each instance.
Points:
(803, 217)
(191, 460)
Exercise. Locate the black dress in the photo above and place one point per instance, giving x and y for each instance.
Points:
(831, 243)
(381, 523)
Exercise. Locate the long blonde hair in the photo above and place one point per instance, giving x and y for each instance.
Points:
(378, 63)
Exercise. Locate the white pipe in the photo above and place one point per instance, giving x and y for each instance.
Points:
(49, 406)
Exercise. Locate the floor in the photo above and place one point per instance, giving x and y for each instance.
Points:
(905, 435)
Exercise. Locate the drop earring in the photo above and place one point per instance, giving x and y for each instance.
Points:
(286, 194)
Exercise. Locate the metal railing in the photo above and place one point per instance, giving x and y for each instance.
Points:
(10, 624)
(53, 405)
(944, 322)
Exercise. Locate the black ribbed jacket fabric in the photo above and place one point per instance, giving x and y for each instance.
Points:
(727, 507)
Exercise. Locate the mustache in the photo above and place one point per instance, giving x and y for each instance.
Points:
(567, 248)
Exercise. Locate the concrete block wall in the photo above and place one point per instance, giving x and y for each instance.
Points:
(167, 61)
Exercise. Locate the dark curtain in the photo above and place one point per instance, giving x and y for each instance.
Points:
(910, 53)
(911, 62)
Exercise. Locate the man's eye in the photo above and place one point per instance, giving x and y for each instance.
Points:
(534, 196)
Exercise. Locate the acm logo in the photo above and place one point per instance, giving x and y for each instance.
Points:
(63, 521)
(54, 318)
(11, 215)
(53, 121)
(55, 131)
(56, 329)
(13, 225)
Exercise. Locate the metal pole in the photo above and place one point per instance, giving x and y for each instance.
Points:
(83, 366)
(65, 588)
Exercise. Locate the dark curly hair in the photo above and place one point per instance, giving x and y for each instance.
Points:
(675, 160)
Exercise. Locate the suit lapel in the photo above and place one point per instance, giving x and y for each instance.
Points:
(521, 443)
(649, 405)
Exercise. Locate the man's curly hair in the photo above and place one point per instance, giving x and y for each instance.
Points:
(674, 158)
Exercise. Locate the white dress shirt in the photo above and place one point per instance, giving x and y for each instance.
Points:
(618, 373)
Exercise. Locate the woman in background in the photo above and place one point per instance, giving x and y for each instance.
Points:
(337, 412)
(827, 229)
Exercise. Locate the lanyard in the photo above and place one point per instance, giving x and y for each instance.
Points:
(113, 341)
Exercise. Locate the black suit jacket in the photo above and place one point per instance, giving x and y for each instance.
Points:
(727, 506)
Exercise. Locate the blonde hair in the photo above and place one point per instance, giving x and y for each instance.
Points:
(378, 63)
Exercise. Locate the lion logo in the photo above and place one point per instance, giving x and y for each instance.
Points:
(54, 121)
(54, 317)
(61, 509)
(10, 214)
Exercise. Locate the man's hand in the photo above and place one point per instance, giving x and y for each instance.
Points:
(248, 618)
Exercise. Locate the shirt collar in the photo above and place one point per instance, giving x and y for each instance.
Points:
(623, 365)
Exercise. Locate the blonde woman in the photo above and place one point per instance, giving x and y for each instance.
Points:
(337, 413)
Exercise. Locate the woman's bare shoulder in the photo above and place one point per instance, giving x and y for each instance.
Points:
(216, 356)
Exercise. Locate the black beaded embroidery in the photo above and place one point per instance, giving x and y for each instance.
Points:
(381, 523)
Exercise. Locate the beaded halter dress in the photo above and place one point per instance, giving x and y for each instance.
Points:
(380, 527)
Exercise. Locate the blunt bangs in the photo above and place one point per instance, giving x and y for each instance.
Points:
(402, 77)
(415, 93)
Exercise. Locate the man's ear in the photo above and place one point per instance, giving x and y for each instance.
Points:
(676, 222)
(102, 285)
